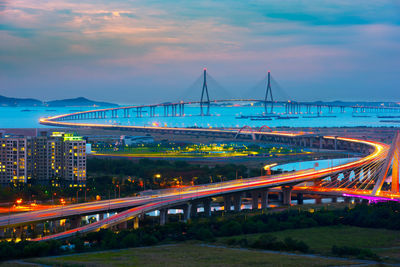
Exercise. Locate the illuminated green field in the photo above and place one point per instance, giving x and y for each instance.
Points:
(196, 150)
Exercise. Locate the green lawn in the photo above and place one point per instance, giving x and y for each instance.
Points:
(321, 239)
(186, 255)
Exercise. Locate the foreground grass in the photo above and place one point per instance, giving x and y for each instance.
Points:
(187, 255)
(321, 239)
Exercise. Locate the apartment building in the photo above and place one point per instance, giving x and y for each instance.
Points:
(58, 159)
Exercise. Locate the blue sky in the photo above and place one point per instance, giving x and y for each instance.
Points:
(152, 51)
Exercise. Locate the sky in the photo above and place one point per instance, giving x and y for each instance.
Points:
(153, 51)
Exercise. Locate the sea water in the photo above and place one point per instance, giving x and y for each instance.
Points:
(221, 116)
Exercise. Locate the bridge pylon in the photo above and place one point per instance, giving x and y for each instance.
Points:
(204, 93)
(392, 160)
(268, 95)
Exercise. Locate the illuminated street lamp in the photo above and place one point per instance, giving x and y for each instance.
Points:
(18, 201)
(119, 191)
(87, 189)
(77, 191)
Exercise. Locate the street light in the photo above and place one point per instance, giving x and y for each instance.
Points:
(19, 201)
(77, 191)
(119, 191)
(87, 189)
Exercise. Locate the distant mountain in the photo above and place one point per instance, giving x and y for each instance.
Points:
(31, 102)
(14, 102)
(78, 102)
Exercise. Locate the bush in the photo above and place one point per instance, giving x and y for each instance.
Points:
(130, 240)
(356, 252)
(231, 228)
(271, 242)
(295, 245)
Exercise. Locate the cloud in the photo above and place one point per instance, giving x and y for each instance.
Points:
(306, 43)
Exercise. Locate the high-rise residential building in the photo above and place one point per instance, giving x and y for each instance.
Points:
(13, 160)
(58, 159)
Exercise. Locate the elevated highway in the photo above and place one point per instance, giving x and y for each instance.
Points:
(129, 208)
(367, 172)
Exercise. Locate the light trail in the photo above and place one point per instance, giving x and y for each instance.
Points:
(144, 204)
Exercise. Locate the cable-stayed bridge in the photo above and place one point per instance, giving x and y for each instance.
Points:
(212, 93)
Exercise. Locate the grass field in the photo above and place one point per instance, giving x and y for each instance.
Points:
(187, 255)
(321, 239)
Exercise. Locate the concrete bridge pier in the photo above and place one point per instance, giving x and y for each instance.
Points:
(135, 223)
(264, 199)
(163, 216)
(318, 199)
(227, 203)
(300, 198)
(207, 207)
(334, 199)
(287, 195)
(254, 200)
(187, 209)
(19, 232)
(237, 201)
(123, 226)
(193, 209)
(75, 222)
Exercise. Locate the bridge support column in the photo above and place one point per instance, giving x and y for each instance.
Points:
(227, 203)
(193, 209)
(163, 216)
(123, 225)
(300, 198)
(287, 195)
(19, 232)
(237, 201)
(186, 212)
(280, 197)
(334, 199)
(254, 200)
(136, 223)
(264, 199)
(318, 199)
(75, 222)
(207, 207)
